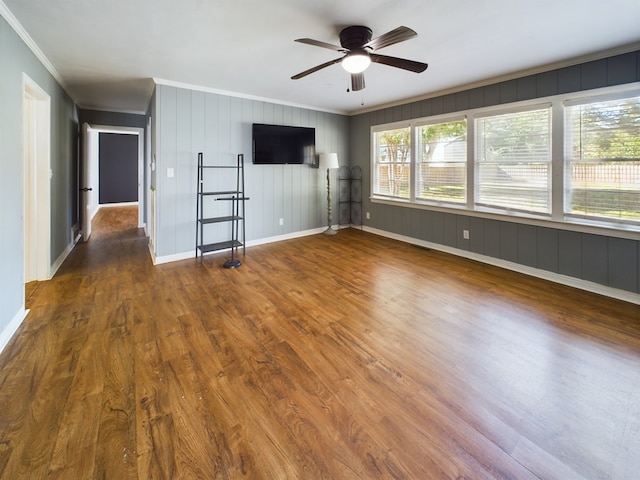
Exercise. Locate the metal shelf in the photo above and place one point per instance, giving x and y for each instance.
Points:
(237, 200)
(227, 192)
(213, 247)
(229, 218)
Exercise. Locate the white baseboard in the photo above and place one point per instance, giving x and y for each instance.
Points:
(516, 267)
(288, 236)
(11, 328)
(176, 257)
(63, 256)
(94, 212)
(252, 243)
(121, 204)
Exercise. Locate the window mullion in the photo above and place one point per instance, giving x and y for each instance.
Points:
(557, 161)
(471, 164)
(413, 164)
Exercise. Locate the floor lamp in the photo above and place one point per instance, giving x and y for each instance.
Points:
(328, 161)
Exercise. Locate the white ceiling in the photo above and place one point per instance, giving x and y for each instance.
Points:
(107, 51)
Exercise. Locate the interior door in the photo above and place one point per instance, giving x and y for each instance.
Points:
(86, 187)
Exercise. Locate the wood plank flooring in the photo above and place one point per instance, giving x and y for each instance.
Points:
(346, 357)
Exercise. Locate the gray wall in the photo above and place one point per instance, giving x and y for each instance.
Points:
(118, 166)
(606, 260)
(187, 122)
(16, 58)
(112, 119)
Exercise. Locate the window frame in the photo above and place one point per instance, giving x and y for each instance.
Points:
(557, 217)
(439, 120)
(510, 110)
(568, 159)
(373, 163)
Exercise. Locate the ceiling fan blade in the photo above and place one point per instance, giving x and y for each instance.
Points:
(318, 43)
(396, 35)
(316, 68)
(357, 81)
(410, 65)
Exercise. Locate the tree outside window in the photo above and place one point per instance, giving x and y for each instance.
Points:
(393, 162)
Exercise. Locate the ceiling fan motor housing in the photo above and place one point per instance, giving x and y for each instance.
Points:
(355, 37)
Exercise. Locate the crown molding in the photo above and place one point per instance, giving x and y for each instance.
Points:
(26, 38)
(612, 52)
(199, 88)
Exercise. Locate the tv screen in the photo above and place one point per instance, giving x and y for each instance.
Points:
(280, 144)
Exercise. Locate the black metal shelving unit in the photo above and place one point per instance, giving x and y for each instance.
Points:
(350, 196)
(236, 197)
(344, 196)
(356, 197)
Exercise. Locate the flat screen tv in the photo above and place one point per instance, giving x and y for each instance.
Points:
(280, 144)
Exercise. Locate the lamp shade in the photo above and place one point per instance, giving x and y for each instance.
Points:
(356, 61)
(328, 160)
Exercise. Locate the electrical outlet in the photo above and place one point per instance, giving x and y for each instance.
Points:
(368, 215)
(281, 221)
(465, 234)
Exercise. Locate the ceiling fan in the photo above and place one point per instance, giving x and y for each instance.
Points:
(359, 48)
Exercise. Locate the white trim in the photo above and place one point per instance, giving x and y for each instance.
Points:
(176, 257)
(199, 88)
(632, 47)
(12, 327)
(151, 252)
(288, 236)
(115, 129)
(140, 132)
(516, 267)
(383, 127)
(604, 94)
(121, 204)
(253, 243)
(26, 38)
(36, 198)
(63, 256)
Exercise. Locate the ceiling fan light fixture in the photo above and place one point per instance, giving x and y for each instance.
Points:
(356, 61)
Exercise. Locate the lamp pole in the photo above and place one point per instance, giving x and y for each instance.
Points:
(329, 161)
(329, 230)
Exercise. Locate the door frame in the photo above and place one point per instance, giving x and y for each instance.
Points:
(37, 174)
(95, 165)
(88, 191)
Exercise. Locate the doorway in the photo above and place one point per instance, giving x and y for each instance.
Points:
(91, 163)
(37, 177)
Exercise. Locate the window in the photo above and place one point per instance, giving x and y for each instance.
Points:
(513, 161)
(570, 159)
(602, 159)
(442, 161)
(392, 162)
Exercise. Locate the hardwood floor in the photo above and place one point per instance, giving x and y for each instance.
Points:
(346, 357)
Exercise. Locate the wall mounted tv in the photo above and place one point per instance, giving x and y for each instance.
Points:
(280, 144)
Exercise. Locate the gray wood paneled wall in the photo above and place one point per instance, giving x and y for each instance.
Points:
(187, 122)
(606, 260)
